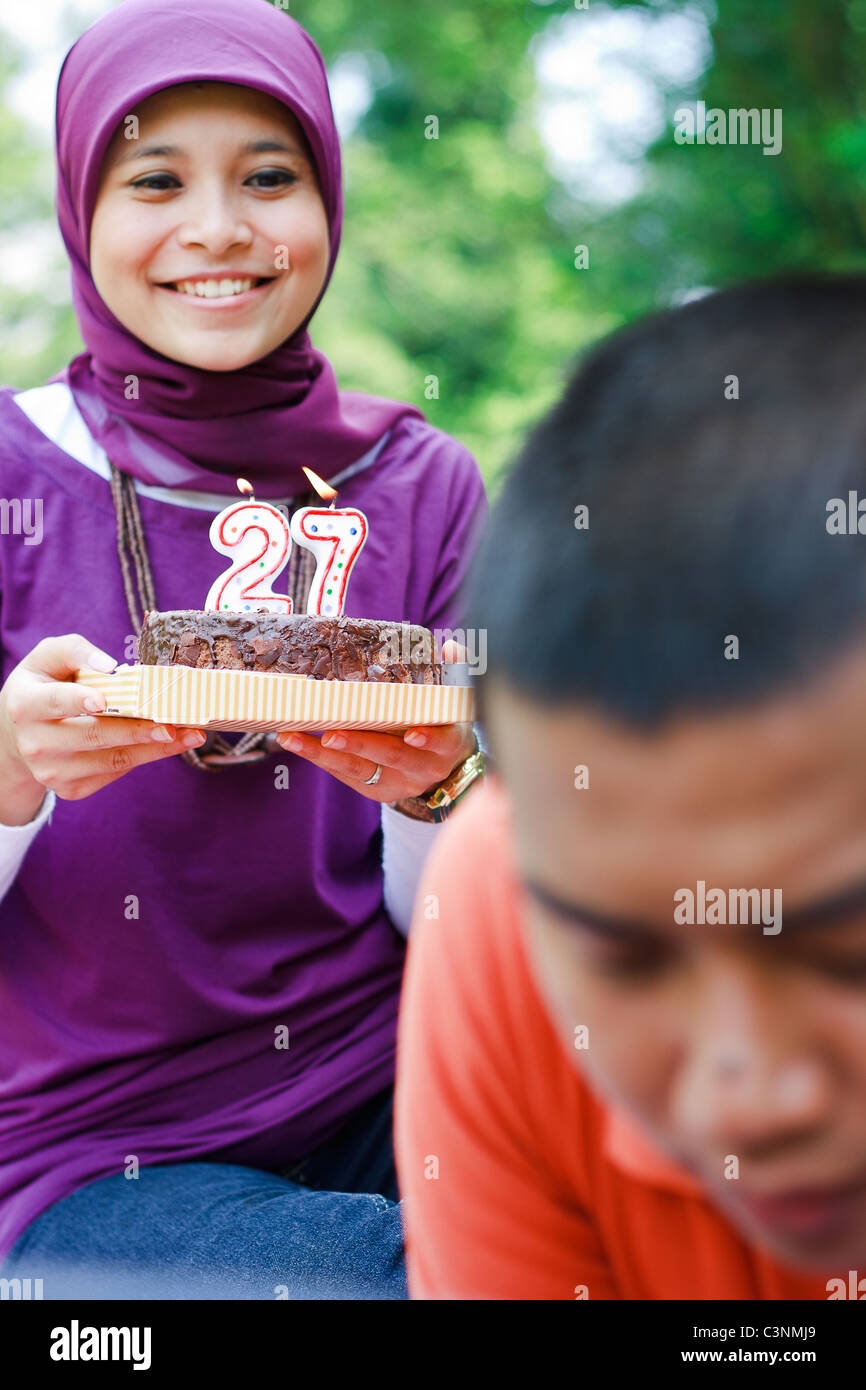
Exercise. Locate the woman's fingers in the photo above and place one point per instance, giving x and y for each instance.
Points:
(443, 740)
(37, 699)
(115, 731)
(58, 729)
(75, 777)
(349, 766)
(417, 748)
(62, 709)
(61, 657)
(351, 769)
(453, 651)
(407, 771)
(387, 749)
(115, 761)
(82, 732)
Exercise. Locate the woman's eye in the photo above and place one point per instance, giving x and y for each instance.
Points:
(157, 183)
(274, 178)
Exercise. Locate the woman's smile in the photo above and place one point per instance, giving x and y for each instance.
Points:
(219, 290)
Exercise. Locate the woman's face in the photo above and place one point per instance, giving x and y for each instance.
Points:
(209, 239)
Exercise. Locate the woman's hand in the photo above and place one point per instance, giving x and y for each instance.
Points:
(410, 762)
(51, 739)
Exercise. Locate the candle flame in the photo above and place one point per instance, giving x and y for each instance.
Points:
(244, 486)
(325, 491)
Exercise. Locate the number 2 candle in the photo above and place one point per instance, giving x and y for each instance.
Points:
(257, 537)
(336, 537)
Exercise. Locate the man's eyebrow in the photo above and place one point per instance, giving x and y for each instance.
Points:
(624, 928)
(824, 913)
(265, 146)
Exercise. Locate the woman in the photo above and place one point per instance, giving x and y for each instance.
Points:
(199, 975)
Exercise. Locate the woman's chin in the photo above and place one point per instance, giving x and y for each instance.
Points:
(218, 354)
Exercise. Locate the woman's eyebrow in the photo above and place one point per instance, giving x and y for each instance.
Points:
(165, 151)
(268, 146)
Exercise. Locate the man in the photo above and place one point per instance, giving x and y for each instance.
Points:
(633, 1032)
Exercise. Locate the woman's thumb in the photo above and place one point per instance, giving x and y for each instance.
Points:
(453, 651)
(62, 657)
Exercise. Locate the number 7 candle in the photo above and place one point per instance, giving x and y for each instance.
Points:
(336, 537)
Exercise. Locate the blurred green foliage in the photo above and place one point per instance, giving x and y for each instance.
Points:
(458, 252)
(727, 212)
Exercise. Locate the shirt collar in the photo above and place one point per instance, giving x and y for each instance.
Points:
(628, 1147)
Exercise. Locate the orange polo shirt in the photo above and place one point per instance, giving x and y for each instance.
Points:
(519, 1183)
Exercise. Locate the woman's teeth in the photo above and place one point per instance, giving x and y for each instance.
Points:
(214, 289)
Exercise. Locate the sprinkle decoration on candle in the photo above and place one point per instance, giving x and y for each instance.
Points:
(257, 537)
(336, 537)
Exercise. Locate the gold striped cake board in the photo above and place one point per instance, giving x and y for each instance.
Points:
(245, 700)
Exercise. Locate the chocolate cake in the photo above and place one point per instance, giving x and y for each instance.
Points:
(345, 649)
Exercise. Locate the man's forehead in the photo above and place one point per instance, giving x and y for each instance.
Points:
(764, 797)
(694, 757)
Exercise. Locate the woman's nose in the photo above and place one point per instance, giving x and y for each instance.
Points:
(213, 221)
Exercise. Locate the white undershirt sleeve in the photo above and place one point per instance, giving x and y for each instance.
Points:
(405, 846)
(15, 840)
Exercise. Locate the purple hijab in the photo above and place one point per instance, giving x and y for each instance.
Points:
(192, 428)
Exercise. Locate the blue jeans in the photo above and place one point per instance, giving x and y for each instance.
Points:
(328, 1227)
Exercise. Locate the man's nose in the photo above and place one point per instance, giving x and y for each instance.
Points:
(753, 1077)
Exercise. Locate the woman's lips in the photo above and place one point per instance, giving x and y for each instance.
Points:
(222, 302)
(810, 1213)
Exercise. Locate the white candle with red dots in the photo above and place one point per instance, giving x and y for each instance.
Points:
(336, 537)
(257, 538)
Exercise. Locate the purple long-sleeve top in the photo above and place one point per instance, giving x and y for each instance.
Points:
(162, 932)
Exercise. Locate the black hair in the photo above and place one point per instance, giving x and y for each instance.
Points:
(706, 443)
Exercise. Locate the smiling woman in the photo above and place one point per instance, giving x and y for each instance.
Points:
(241, 1045)
(208, 252)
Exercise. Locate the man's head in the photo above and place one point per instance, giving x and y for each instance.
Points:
(676, 704)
